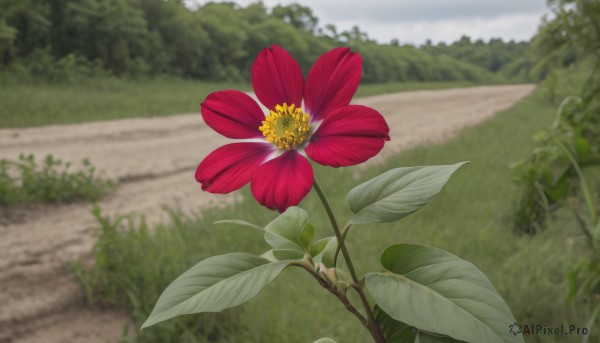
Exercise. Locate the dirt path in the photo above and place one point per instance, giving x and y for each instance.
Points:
(155, 159)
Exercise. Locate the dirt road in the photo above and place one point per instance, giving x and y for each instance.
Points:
(154, 160)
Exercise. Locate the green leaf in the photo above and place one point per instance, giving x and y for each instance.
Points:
(319, 246)
(397, 193)
(290, 231)
(393, 330)
(422, 337)
(287, 254)
(268, 255)
(437, 292)
(215, 284)
(398, 332)
(326, 253)
(325, 340)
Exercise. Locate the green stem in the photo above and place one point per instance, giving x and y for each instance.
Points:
(370, 323)
(337, 250)
(331, 288)
(336, 229)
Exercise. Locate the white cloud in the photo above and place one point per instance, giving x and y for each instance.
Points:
(414, 21)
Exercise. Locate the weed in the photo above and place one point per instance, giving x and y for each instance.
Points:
(133, 265)
(25, 181)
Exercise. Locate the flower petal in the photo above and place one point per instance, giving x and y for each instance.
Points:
(277, 78)
(331, 82)
(283, 182)
(233, 114)
(347, 136)
(231, 166)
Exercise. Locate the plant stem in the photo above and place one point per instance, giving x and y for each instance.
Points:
(337, 251)
(373, 328)
(331, 288)
(336, 230)
(370, 323)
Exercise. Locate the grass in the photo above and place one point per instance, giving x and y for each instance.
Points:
(30, 104)
(27, 104)
(470, 219)
(26, 181)
(375, 89)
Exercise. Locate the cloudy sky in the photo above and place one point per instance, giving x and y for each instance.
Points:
(414, 21)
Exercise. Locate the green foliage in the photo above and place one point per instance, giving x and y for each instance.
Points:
(393, 330)
(397, 193)
(468, 219)
(25, 181)
(550, 175)
(134, 264)
(439, 293)
(148, 37)
(324, 251)
(291, 231)
(325, 340)
(386, 63)
(462, 300)
(215, 284)
(492, 56)
(554, 176)
(574, 27)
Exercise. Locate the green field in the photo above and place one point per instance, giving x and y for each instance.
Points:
(39, 104)
(470, 218)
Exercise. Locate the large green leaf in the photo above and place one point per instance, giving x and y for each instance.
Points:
(215, 284)
(393, 330)
(397, 193)
(398, 332)
(437, 292)
(290, 231)
(287, 254)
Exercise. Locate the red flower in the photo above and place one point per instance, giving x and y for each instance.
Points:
(329, 130)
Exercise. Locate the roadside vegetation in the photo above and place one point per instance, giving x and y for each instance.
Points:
(76, 61)
(559, 179)
(27, 181)
(537, 240)
(30, 104)
(470, 219)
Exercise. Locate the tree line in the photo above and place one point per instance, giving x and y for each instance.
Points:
(214, 42)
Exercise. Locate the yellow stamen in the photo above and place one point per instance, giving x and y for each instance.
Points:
(287, 127)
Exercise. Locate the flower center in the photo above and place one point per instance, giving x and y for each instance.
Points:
(286, 127)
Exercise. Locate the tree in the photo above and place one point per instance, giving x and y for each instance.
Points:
(301, 17)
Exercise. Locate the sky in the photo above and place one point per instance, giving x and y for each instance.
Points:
(415, 21)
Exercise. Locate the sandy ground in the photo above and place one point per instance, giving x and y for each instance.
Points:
(154, 160)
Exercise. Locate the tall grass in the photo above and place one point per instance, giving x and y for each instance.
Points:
(469, 219)
(27, 104)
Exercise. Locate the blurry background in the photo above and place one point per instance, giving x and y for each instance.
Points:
(94, 139)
